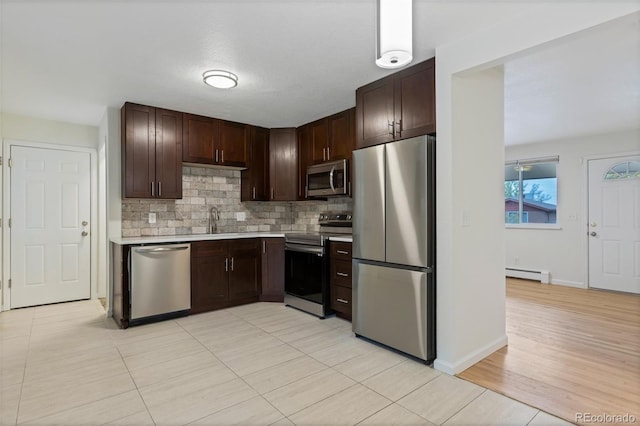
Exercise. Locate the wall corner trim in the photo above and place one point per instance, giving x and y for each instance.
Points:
(459, 366)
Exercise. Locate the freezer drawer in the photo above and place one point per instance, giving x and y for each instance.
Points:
(160, 280)
(393, 306)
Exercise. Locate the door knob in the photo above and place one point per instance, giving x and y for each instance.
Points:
(84, 233)
(85, 223)
(593, 233)
(593, 224)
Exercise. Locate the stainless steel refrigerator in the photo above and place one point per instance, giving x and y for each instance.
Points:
(394, 245)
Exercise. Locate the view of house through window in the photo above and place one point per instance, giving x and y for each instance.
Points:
(531, 191)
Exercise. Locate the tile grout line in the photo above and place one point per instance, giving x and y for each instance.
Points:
(329, 367)
(233, 371)
(136, 386)
(24, 370)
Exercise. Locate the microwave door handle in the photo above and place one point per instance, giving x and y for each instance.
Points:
(333, 169)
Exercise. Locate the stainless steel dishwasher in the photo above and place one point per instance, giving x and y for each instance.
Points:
(160, 282)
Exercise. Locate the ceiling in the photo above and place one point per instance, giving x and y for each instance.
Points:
(296, 60)
(588, 83)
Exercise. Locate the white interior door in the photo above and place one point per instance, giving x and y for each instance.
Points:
(614, 224)
(50, 213)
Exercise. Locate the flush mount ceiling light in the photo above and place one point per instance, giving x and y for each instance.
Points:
(395, 45)
(220, 79)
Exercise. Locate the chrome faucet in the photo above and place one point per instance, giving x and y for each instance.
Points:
(214, 215)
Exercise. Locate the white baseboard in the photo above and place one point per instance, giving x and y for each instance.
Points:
(471, 359)
(575, 284)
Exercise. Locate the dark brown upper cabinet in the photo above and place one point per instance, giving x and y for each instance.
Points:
(151, 152)
(332, 137)
(319, 140)
(234, 138)
(341, 128)
(255, 179)
(283, 164)
(304, 159)
(214, 142)
(399, 106)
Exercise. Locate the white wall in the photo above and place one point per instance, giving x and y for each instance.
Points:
(563, 251)
(110, 146)
(31, 129)
(467, 325)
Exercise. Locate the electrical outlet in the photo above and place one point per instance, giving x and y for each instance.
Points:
(241, 216)
(152, 218)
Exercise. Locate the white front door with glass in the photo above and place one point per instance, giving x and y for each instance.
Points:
(614, 224)
(50, 211)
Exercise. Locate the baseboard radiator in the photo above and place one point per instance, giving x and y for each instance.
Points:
(528, 274)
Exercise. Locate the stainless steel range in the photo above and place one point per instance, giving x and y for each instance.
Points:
(306, 282)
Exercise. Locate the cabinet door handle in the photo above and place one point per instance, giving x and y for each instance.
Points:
(399, 124)
(152, 186)
(216, 155)
(226, 264)
(306, 191)
(342, 274)
(272, 193)
(232, 264)
(264, 246)
(159, 189)
(343, 301)
(328, 153)
(392, 128)
(342, 252)
(222, 155)
(253, 193)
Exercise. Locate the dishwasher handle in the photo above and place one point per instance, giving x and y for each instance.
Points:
(161, 249)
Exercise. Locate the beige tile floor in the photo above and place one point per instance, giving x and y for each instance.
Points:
(260, 364)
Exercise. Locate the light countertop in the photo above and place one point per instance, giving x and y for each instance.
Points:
(193, 237)
(342, 238)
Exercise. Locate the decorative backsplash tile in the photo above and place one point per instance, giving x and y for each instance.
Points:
(203, 188)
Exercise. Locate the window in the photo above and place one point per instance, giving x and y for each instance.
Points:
(531, 191)
(626, 170)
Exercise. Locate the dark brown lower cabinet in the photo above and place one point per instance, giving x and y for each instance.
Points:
(272, 270)
(224, 273)
(340, 279)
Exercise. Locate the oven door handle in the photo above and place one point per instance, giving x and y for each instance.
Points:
(304, 249)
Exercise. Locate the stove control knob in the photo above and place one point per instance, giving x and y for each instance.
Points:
(348, 217)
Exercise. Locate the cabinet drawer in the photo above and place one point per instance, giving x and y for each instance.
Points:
(340, 250)
(341, 299)
(209, 248)
(341, 272)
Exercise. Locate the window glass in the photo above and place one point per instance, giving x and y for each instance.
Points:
(531, 192)
(626, 170)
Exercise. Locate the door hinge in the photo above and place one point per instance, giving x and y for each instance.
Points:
(9, 283)
(9, 224)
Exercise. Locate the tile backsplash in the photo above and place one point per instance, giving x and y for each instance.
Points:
(203, 188)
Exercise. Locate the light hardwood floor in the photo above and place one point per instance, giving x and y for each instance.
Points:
(570, 351)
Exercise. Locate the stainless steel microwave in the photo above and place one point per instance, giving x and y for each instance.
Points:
(328, 179)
